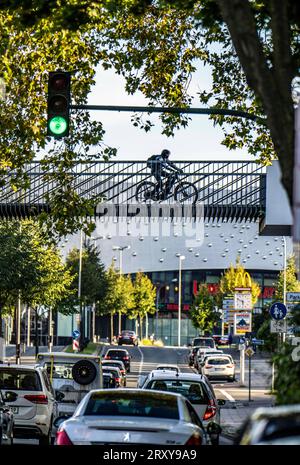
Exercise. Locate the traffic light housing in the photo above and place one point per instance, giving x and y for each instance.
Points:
(58, 114)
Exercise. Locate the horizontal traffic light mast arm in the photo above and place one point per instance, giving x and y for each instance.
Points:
(200, 111)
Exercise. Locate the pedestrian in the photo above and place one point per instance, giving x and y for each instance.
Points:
(230, 340)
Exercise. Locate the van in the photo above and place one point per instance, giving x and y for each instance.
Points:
(72, 375)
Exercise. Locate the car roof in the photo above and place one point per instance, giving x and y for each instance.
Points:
(275, 412)
(117, 350)
(161, 374)
(20, 367)
(167, 365)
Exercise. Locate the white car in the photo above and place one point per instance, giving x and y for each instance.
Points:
(35, 407)
(196, 388)
(168, 367)
(219, 367)
(201, 353)
(132, 416)
(205, 357)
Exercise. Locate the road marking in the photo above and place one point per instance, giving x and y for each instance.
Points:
(229, 397)
(142, 360)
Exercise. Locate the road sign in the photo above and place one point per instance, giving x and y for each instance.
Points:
(249, 351)
(75, 345)
(242, 323)
(278, 311)
(257, 342)
(75, 334)
(293, 296)
(243, 301)
(278, 326)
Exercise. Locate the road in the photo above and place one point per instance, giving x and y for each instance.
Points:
(145, 359)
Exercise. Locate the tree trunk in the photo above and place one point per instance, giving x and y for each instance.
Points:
(36, 340)
(141, 327)
(111, 327)
(271, 84)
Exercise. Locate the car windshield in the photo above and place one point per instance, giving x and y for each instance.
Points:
(192, 390)
(281, 427)
(116, 353)
(133, 405)
(218, 361)
(62, 370)
(19, 380)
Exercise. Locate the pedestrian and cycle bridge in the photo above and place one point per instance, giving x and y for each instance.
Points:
(225, 191)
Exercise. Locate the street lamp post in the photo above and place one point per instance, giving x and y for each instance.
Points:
(180, 257)
(284, 277)
(120, 249)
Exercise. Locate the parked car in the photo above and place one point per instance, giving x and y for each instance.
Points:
(127, 337)
(115, 371)
(272, 426)
(35, 406)
(202, 341)
(119, 354)
(196, 388)
(201, 353)
(116, 363)
(168, 367)
(6, 418)
(72, 375)
(133, 416)
(219, 367)
(220, 340)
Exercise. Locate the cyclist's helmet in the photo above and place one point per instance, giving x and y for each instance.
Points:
(165, 153)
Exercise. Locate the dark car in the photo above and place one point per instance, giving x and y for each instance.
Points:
(6, 417)
(116, 373)
(203, 341)
(108, 381)
(127, 337)
(119, 354)
(192, 354)
(116, 363)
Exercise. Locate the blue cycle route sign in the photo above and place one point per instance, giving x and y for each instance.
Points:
(278, 311)
(75, 334)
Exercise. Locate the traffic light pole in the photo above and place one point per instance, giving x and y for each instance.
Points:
(176, 110)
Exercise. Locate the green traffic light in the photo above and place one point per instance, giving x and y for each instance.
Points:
(58, 125)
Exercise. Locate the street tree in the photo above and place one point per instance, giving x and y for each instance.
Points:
(203, 314)
(144, 295)
(289, 275)
(237, 276)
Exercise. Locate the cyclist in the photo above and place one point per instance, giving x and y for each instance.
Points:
(161, 167)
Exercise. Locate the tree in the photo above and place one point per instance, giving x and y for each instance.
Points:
(144, 295)
(203, 315)
(236, 276)
(292, 283)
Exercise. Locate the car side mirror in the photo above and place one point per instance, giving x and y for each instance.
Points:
(221, 402)
(59, 396)
(10, 396)
(214, 428)
(59, 420)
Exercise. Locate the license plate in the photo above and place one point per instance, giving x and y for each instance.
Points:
(15, 409)
(218, 369)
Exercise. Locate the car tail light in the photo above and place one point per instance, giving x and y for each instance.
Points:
(37, 399)
(107, 357)
(208, 366)
(126, 358)
(210, 411)
(62, 439)
(131, 337)
(229, 366)
(118, 380)
(194, 440)
(123, 372)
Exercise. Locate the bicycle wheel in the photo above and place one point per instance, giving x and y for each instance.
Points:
(186, 192)
(145, 191)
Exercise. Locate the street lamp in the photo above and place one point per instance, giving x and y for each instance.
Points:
(180, 257)
(120, 249)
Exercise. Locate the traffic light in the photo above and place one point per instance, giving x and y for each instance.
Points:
(58, 120)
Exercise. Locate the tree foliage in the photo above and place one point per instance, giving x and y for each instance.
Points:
(237, 276)
(203, 315)
(144, 294)
(292, 283)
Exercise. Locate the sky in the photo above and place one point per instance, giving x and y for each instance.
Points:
(199, 141)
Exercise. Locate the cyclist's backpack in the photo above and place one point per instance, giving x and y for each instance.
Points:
(151, 160)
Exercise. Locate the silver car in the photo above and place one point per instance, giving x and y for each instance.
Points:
(272, 426)
(196, 388)
(132, 416)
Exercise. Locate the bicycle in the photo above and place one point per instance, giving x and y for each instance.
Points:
(182, 190)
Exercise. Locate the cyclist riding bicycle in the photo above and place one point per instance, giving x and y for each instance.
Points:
(161, 168)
